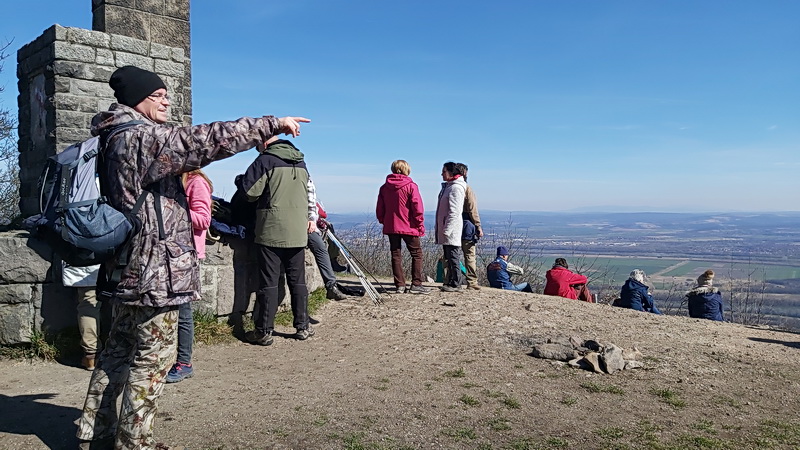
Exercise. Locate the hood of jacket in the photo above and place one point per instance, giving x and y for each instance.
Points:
(285, 150)
(398, 180)
(117, 114)
(702, 290)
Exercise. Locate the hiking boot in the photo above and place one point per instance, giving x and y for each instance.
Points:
(97, 444)
(88, 362)
(335, 294)
(447, 288)
(419, 290)
(304, 334)
(400, 290)
(179, 372)
(474, 287)
(257, 338)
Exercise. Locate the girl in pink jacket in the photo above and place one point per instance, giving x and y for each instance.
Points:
(198, 194)
(400, 211)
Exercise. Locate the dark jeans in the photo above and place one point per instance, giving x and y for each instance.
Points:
(414, 247)
(452, 260)
(185, 333)
(271, 262)
(320, 251)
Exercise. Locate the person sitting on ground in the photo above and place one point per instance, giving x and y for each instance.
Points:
(500, 270)
(705, 301)
(564, 283)
(399, 209)
(320, 250)
(635, 294)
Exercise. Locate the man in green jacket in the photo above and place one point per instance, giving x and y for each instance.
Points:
(278, 181)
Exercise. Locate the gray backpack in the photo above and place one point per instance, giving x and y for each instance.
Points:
(76, 219)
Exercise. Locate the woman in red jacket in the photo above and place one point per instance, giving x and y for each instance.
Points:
(564, 283)
(400, 211)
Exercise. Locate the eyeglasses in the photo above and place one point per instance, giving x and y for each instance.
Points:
(159, 97)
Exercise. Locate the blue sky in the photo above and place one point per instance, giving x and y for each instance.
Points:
(611, 105)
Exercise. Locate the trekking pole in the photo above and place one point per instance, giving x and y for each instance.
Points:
(367, 273)
(368, 287)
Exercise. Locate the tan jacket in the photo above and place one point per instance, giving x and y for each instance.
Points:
(471, 209)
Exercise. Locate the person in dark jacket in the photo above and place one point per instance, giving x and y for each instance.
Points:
(162, 272)
(499, 272)
(635, 294)
(705, 301)
(278, 181)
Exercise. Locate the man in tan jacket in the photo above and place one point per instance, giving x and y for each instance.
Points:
(468, 245)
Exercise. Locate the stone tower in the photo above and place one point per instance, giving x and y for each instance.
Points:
(63, 76)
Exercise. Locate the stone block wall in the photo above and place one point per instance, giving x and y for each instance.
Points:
(32, 297)
(63, 82)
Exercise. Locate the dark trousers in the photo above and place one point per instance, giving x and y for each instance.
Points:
(272, 261)
(452, 260)
(185, 333)
(415, 248)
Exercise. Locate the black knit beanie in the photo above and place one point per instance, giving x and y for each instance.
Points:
(131, 84)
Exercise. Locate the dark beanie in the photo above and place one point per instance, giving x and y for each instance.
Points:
(131, 84)
(502, 251)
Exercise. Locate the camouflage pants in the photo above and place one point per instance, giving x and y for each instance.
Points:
(134, 362)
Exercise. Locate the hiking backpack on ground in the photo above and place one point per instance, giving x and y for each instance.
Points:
(76, 219)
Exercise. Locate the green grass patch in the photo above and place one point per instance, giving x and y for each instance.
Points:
(783, 433)
(669, 397)
(705, 425)
(45, 347)
(610, 433)
(460, 433)
(602, 388)
(499, 424)
(209, 330)
(457, 373)
(690, 441)
(469, 400)
(511, 403)
(569, 401)
(315, 301)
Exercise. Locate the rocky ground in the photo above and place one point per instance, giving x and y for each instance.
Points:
(454, 371)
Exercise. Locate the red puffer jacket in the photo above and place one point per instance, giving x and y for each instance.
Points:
(399, 207)
(560, 281)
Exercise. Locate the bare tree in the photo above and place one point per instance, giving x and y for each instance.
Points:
(9, 159)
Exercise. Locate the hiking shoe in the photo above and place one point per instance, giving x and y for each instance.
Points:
(447, 288)
(304, 334)
(335, 294)
(257, 338)
(419, 290)
(179, 372)
(400, 290)
(474, 287)
(88, 362)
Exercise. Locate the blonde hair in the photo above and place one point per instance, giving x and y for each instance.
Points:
(197, 172)
(401, 166)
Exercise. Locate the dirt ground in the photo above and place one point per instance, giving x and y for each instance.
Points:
(453, 370)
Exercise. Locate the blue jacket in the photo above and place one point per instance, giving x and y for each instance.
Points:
(497, 273)
(705, 302)
(634, 295)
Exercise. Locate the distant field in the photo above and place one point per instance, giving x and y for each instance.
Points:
(619, 268)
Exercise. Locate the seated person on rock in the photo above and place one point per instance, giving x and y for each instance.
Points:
(500, 270)
(564, 283)
(705, 301)
(635, 294)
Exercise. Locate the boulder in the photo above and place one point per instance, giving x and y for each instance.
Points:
(611, 359)
(554, 351)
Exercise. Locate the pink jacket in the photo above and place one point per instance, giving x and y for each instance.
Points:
(198, 193)
(560, 282)
(399, 208)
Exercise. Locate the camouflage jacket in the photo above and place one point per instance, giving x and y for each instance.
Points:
(152, 156)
